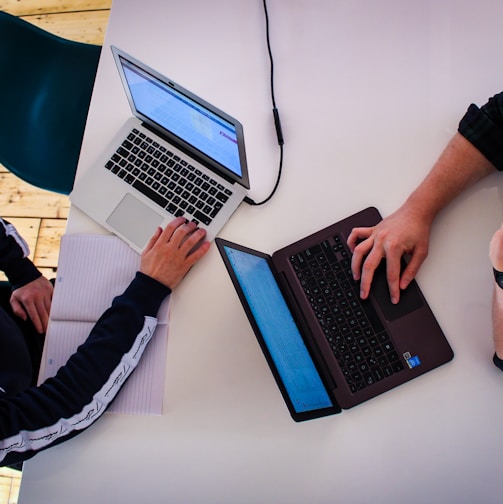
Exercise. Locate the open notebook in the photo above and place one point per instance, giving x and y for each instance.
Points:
(92, 270)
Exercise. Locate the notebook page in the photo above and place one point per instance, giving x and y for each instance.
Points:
(93, 269)
(143, 392)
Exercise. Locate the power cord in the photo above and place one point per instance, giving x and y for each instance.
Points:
(277, 122)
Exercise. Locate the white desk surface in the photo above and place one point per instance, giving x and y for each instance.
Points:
(369, 93)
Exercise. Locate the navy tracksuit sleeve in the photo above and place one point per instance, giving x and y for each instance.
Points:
(14, 260)
(81, 391)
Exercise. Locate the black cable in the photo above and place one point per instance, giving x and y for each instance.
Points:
(277, 121)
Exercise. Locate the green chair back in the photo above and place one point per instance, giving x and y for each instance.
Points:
(46, 84)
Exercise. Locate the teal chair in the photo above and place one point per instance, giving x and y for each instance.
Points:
(46, 84)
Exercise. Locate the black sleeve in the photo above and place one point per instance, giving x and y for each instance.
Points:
(483, 128)
(81, 391)
(14, 260)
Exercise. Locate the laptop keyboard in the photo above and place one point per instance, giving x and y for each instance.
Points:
(168, 180)
(358, 340)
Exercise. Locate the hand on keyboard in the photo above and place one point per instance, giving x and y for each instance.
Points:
(171, 252)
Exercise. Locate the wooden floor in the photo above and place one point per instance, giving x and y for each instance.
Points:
(39, 215)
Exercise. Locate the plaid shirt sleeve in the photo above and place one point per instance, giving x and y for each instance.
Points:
(483, 128)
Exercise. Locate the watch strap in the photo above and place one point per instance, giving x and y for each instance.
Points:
(498, 276)
(498, 362)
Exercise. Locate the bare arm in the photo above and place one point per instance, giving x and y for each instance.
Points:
(407, 230)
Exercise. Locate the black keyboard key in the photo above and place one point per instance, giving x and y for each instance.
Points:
(372, 315)
(201, 217)
(171, 208)
(312, 252)
(377, 374)
(150, 193)
(221, 197)
(215, 211)
(122, 152)
(398, 366)
(330, 254)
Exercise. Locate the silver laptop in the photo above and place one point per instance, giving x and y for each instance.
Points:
(178, 156)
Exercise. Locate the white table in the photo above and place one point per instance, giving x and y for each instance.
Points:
(369, 93)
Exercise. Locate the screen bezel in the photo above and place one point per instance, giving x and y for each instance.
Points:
(297, 416)
(211, 163)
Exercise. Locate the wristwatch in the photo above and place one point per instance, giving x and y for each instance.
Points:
(498, 276)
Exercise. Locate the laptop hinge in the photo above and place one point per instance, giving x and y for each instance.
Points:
(193, 153)
(309, 340)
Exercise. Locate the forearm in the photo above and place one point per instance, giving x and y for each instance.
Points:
(81, 391)
(460, 166)
(474, 152)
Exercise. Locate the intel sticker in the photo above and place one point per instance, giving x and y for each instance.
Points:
(413, 361)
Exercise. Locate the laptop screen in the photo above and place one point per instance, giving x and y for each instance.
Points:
(183, 117)
(284, 343)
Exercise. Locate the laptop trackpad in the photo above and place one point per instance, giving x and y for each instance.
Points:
(135, 220)
(410, 298)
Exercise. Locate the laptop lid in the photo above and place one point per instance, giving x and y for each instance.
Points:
(195, 126)
(304, 389)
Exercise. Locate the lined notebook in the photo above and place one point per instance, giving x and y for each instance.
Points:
(92, 270)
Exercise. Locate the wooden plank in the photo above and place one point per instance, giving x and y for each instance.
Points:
(49, 238)
(19, 199)
(87, 26)
(43, 237)
(27, 7)
(10, 481)
(28, 228)
(49, 273)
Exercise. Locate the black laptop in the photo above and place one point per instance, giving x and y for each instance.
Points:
(328, 349)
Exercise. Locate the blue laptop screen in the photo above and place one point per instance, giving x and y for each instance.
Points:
(279, 331)
(183, 117)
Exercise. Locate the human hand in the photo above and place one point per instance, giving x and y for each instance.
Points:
(403, 232)
(496, 250)
(171, 252)
(33, 301)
